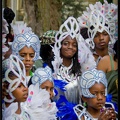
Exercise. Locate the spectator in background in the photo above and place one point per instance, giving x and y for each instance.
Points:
(8, 15)
(46, 54)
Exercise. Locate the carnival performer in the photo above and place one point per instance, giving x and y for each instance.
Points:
(8, 15)
(71, 58)
(109, 64)
(100, 22)
(93, 86)
(26, 46)
(44, 77)
(39, 102)
(14, 75)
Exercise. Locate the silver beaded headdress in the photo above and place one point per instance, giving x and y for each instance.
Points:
(25, 37)
(100, 17)
(41, 75)
(89, 78)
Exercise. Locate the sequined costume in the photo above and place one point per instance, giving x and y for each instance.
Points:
(62, 73)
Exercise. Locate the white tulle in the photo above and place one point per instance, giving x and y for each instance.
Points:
(85, 56)
(39, 105)
(9, 113)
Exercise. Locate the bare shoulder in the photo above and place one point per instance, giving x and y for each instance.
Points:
(104, 63)
(105, 58)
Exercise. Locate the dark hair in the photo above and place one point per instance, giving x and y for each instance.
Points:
(9, 38)
(76, 68)
(115, 48)
(47, 54)
(8, 16)
(84, 33)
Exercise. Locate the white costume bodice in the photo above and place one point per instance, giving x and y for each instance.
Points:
(72, 92)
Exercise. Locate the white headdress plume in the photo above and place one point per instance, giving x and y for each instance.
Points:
(15, 65)
(100, 17)
(39, 105)
(89, 78)
(85, 56)
(25, 37)
(20, 28)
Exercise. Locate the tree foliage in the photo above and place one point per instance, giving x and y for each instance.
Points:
(44, 15)
(109, 1)
(72, 8)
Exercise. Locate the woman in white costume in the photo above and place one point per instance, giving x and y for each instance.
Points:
(100, 22)
(72, 57)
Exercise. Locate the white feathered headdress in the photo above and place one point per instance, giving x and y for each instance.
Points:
(99, 17)
(85, 57)
(39, 105)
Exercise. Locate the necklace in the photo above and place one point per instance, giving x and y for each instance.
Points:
(65, 73)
